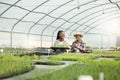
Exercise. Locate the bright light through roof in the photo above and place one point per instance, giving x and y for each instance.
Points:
(110, 27)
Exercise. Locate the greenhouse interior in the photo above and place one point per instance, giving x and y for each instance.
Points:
(59, 40)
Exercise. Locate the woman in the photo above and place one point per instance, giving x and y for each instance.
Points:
(60, 42)
(78, 45)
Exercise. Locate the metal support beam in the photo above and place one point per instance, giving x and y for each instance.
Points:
(10, 7)
(65, 14)
(78, 15)
(115, 4)
(97, 25)
(24, 17)
(88, 21)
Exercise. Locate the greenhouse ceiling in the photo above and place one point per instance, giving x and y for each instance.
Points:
(46, 17)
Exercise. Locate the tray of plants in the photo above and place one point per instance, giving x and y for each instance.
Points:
(60, 47)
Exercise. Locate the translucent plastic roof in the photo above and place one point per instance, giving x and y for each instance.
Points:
(46, 17)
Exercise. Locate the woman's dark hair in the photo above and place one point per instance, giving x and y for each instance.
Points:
(58, 34)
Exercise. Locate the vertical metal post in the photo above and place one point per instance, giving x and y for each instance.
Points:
(101, 41)
(28, 41)
(52, 41)
(11, 42)
(41, 40)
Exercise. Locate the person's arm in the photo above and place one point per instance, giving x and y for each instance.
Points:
(83, 47)
(75, 46)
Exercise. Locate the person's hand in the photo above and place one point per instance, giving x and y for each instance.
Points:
(78, 47)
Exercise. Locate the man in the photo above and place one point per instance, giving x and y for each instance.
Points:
(78, 45)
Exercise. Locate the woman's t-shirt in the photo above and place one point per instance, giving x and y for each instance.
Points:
(59, 43)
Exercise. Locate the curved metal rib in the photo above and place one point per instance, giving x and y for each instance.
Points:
(36, 12)
(23, 18)
(9, 7)
(61, 16)
(86, 22)
(78, 15)
(92, 27)
(77, 21)
(75, 16)
(98, 20)
(48, 14)
(88, 16)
